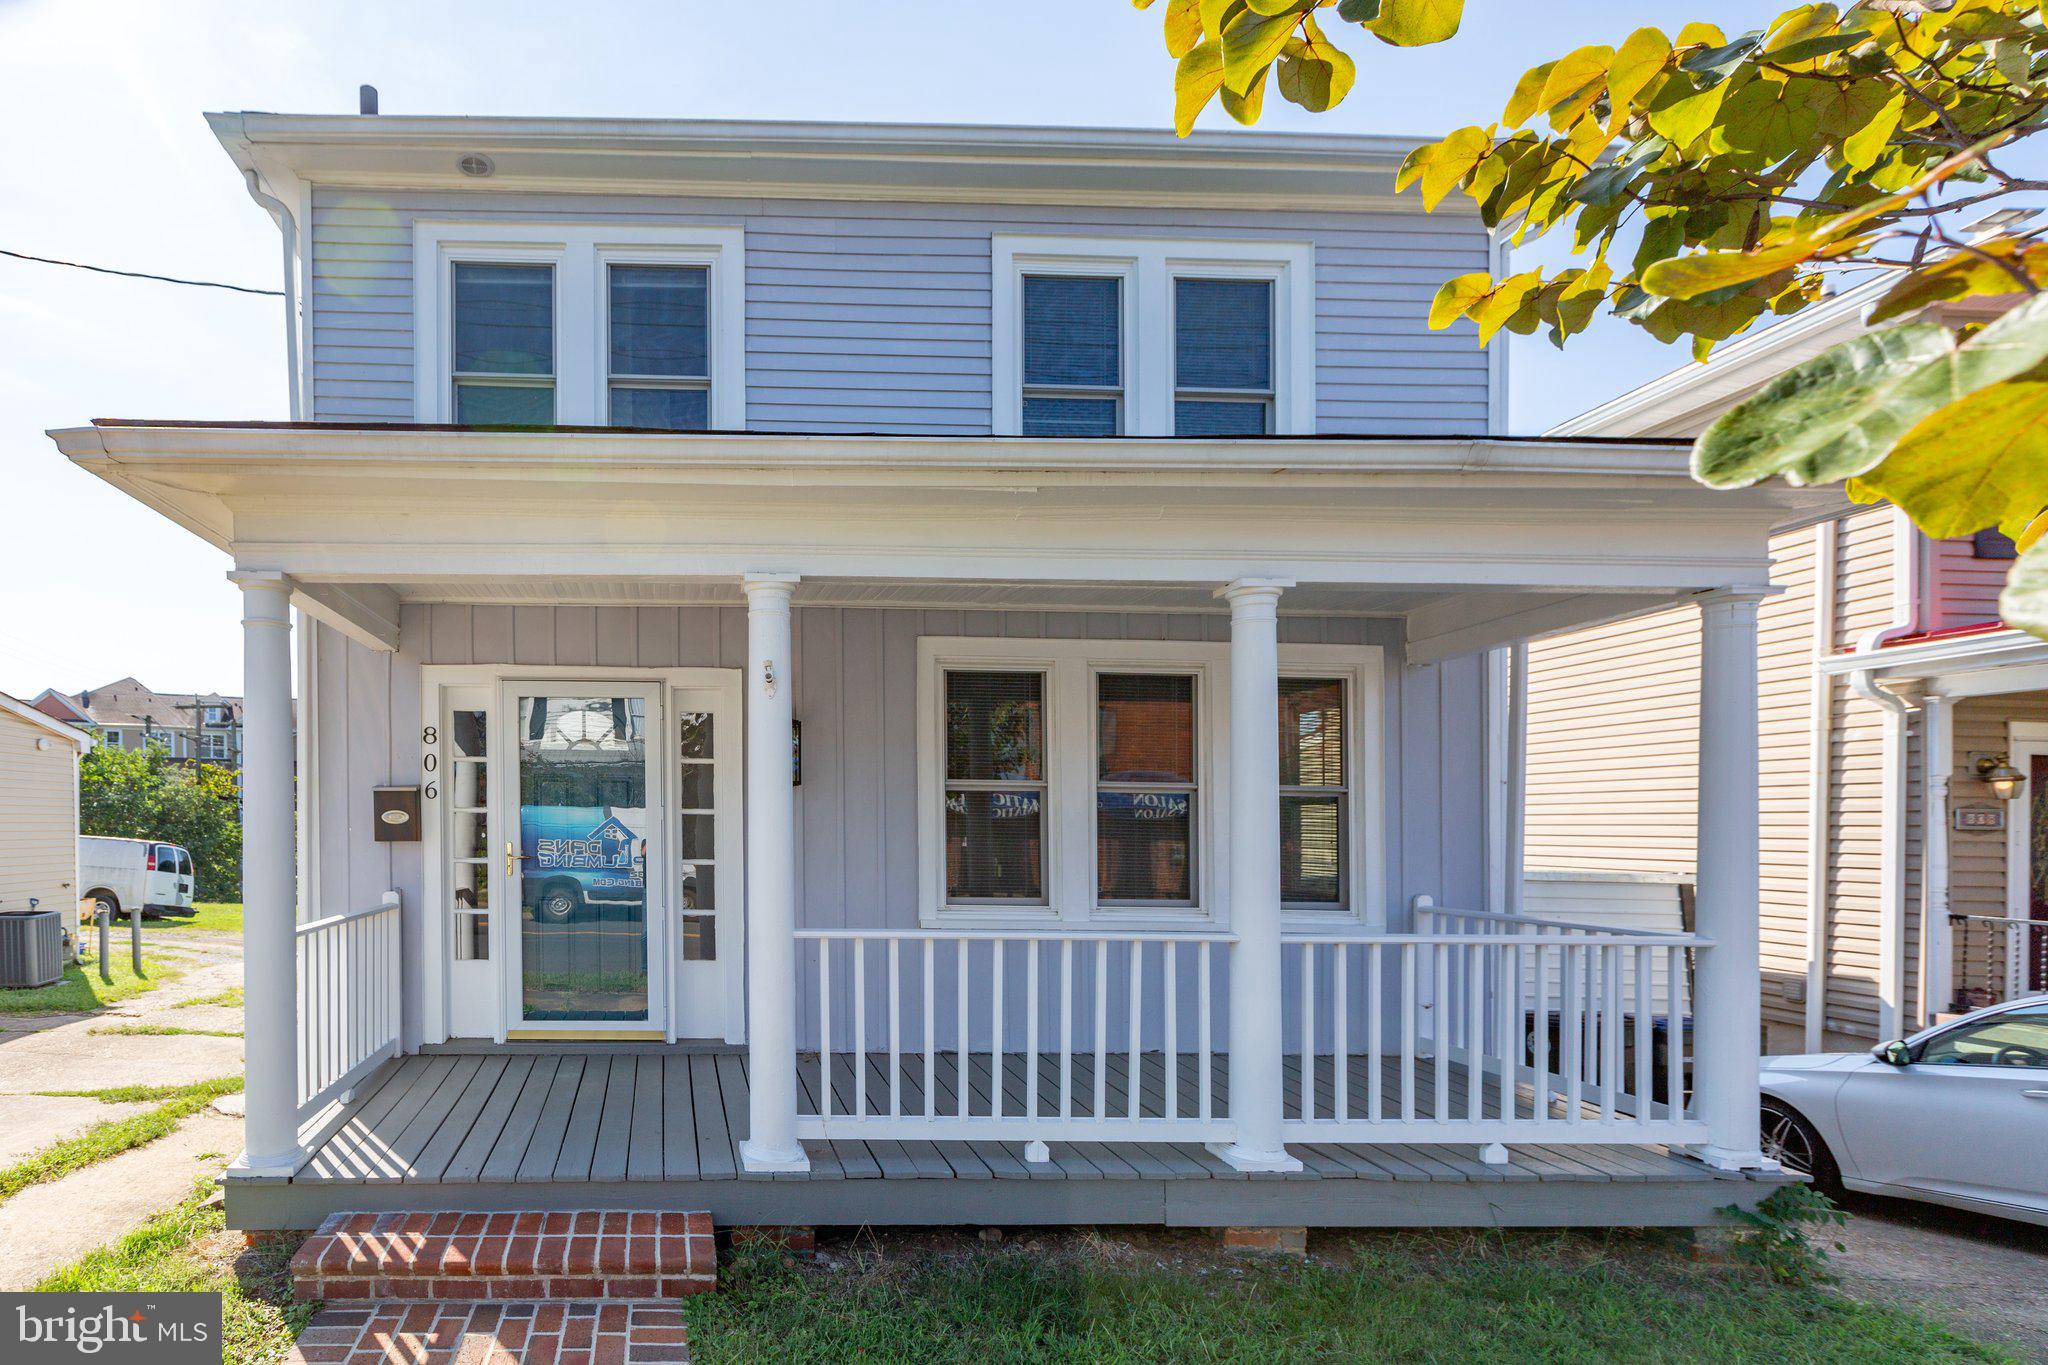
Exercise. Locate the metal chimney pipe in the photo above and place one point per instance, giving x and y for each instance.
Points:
(366, 97)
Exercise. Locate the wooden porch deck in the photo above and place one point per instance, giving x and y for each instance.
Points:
(651, 1127)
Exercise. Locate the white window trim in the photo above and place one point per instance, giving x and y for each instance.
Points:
(1070, 667)
(580, 255)
(1149, 267)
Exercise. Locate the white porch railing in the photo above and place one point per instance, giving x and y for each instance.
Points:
(1996, 958)
(1015, 1037)
(348, 968)
(1476, 1029)
(1493, 1028)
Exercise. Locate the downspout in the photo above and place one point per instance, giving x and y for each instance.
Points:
(288, 231)
(1908, 566)
(1820, 778)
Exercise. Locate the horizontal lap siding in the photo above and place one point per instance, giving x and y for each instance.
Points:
(875, 317)
(1977, 858)
(1613, 755)
(38, 820)
(1966, 588)
(1863, 602)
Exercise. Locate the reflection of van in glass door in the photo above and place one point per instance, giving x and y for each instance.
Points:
(582, 857)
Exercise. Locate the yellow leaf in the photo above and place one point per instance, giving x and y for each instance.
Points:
(1244, 105)
(2032, 532)
(1686, 277)
(1699, 34)
(1641, 57)
(1979, 461)
(1195, 82)
(1503, 302)
(1573, 84)
(1251, 42)
(1862, 148)
(1797, 25)
(1456, 296)
(1522, 104)
(1183, 26)
(1441, 165)
(1416, 23)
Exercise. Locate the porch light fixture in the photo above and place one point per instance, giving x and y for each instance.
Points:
(1996, 772)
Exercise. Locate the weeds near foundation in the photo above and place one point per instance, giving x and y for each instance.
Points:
(113, 1137)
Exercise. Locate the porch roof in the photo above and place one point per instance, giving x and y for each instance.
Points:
(1476, 540)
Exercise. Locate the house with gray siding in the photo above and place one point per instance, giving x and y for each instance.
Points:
(939, 674)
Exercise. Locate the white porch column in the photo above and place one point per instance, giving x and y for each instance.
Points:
(269, 877)
(1727, 1002)
(771, 1144)
(1255, 975)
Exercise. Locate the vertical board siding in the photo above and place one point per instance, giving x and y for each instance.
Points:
(1966, 588)
(38, 820)
(856, 698)
(876, 316)
(1613, 756)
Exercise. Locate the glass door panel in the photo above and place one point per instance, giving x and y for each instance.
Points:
(586, 816)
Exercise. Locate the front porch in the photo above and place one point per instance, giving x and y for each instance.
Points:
(657, 1127)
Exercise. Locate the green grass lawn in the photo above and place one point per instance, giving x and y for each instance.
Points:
(81, 991)
(115, 1136)
(187, 1249)
(1410, 1297)
(219, 917)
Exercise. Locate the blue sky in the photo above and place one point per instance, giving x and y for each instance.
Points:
(108, 161)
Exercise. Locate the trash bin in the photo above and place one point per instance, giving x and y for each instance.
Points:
(31, 947)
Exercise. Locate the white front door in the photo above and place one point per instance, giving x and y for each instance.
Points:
(583, 792)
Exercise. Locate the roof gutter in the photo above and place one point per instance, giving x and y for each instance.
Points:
(288, 230)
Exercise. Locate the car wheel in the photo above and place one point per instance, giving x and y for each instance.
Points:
(1795, 1144)
(557, 905)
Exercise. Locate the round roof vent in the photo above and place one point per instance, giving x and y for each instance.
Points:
(477, 164)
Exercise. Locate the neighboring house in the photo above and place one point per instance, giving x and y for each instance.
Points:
(38, 809)
(129, 715)
(930, 652)
(1880, 872)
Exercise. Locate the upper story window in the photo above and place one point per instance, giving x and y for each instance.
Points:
(503, 371)
(658, 319)
(1222, 357)
(580, 325)
(1147, 337)
(1071, 780)
(1073, 355)
(216, 715)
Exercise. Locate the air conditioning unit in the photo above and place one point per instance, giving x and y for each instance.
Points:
(31, 948)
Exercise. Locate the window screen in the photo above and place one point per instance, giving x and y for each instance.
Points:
(1145, 788)
(659, 319)
(995, 787)
(1073, 355)
(504, 334)
(1314, 795)
(1222, 357)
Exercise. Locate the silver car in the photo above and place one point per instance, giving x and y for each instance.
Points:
(1955, 1115)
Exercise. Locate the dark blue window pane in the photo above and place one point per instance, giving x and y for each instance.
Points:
(1070, 417)
(664, 409)
(1223, 334)
(659, 320)
(1071, 331)
(1218, 419)
(504, 405)
(504, 319)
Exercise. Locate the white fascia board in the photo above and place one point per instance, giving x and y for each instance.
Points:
(1704, 390)
(1940, 658)
(945, 163)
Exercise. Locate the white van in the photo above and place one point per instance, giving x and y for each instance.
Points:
(126, 874)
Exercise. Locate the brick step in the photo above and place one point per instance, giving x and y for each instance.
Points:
(584, 1254)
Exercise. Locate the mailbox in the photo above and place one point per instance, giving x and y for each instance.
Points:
(398, 814)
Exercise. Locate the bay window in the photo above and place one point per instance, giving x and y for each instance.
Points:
(1064, 781)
